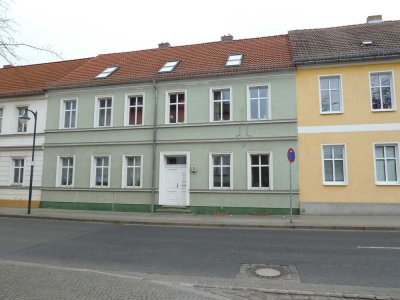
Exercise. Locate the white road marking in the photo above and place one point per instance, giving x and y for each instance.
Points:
(375, 247)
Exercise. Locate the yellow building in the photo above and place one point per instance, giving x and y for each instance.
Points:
(348, 93)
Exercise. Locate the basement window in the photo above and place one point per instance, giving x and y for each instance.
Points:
(169, 66)
(107, 72)
(234, 60)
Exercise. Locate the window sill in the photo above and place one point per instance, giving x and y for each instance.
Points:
(382, 110)
(335, 183)
(331, 112)
(387, 183)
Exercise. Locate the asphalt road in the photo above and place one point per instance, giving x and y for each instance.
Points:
(362, 258)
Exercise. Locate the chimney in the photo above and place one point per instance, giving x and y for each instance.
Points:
(7, 66)
(227, 38)
(164, 45)
(374, 19)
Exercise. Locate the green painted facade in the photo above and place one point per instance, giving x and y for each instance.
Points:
(198, 136)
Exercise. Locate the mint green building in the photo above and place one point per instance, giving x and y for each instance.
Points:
(204, 127)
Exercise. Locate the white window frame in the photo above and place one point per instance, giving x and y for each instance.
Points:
(59, 171)
(18, 116)
(62, 112)
(345, 174)
(249, 185)
(211, 95)
(211, 171)
(97, 111)
(330, 112)
(268, 86)
(397, 146)
(93, 171)
(12, 173)
(124, 171)
(107, 72)
(1, 118)
(167, 106)
(232, 61)
(169, 66)
(393, 90)
(127, 106)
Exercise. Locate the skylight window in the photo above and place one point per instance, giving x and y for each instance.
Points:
(234, 60)
(169, 66)
(107, 72)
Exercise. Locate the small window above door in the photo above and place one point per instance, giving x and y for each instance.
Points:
(176, 160)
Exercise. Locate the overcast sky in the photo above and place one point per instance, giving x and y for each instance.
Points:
(84, 28)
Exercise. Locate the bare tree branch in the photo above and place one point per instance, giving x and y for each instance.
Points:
(8, 45)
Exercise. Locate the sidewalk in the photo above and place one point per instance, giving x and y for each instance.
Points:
(299, 222)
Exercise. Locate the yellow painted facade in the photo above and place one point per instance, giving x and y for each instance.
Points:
(361, 186)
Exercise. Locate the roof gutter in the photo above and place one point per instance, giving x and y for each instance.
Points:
(346, 59)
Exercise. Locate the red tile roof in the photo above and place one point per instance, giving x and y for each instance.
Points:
(200, 60)
(344, 43)
(34, 79)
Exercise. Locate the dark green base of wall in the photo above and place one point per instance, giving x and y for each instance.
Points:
(146, 208)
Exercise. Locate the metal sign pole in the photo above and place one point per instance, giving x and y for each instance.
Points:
(290, 164)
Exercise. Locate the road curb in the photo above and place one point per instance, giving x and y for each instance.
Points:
(204, 224)
(329, 295)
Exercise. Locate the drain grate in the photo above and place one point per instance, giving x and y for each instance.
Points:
(268, 272)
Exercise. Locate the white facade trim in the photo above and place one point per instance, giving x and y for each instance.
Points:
(124, 166)
(349, 128)
(345, 173)
(96, 110)
(93, 170)
(211, 96)
(341, 95)
(211, 171)
(59, 174)
(62, 112)
(167, 106)
(397, 145)
(126, 108)
(249, 187)
(266, 84)
(392, 90)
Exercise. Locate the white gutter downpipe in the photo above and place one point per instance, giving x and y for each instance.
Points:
(153, 174)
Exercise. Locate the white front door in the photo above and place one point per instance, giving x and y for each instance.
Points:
(175, 185)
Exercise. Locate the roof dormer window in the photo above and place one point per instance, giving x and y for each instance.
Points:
(169, 66)
(234, 60)
(107, 72)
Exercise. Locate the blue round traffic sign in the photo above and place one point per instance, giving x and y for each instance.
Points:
(291, 155)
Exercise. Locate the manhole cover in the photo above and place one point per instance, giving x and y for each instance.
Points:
(268, 272)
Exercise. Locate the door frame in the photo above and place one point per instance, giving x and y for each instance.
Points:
(162, 181)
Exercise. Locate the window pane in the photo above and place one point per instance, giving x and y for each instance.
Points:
(263, 109)
(102, 103)
(129, 177)
(226, 177)
(327, 151)
(379, 151)
(98, 176)
(335, 99)
(226, 94)
(217, 177)
(391, 170)
(263, 92)
(132, 117)
(265, 177)
(181, 113)
(16, 176)
(64, 176)
(137, 176)
(73, 117)
(70, 176)
(172, 98)
(226, 110)
(129, 161)
(67, 105)
(339, 172)
(376, 98)
(390, 151)
(255, 177)
(226, 159)
(140, 100)
(264, 159)
(139, 120)
(108, 120)
(101, 117)
(380, 170)
(324, 83)
(73, 104)
(217, 95)
(374, 80)
(338, 151)
(385, 79)
(255, 159)
(335, 83)
(132, 101)
(67, 119)
(387, 98)
(105, 159)
(172, 114)
(325, 105)
(181, 98)
(217, 111)
(253, 92)
(254, 109)
(328, 165)
(105, 176)
(217, 160)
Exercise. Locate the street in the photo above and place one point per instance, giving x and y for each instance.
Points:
(349, 258)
